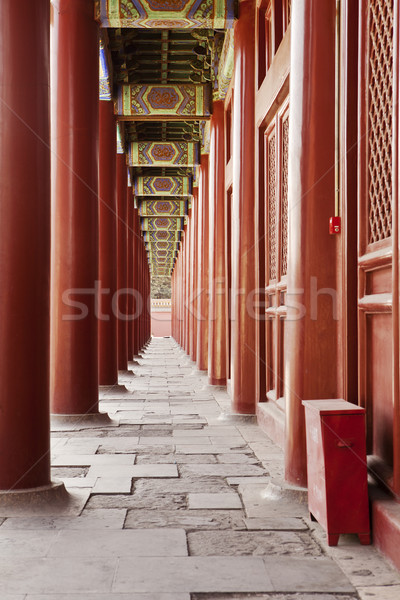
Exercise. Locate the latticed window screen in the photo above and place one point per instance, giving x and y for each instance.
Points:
(284, 195)
(380, 110)
(272, 207)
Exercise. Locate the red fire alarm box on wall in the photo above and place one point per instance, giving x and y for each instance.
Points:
(337, 468)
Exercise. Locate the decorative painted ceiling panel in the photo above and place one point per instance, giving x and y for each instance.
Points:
(163, 154)
(162, 223)
(166, 14)
(164, 207)
(163, 186)
(162, 236)
(186, 100)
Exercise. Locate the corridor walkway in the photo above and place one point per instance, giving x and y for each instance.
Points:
(174, 501)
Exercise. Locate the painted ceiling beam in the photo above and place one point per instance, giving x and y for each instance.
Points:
(164, 100)
(166, 14)
(162, 223)
(162, 236)
(163, 154)
(163, 186)
(164, 208)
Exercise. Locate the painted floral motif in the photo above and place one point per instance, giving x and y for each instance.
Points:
(163, 98)
(162, 152)
(167, 5)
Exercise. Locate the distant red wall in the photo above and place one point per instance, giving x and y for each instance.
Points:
(160, 323)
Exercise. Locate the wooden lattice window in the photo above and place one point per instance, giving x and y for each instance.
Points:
(380, 112)
(272, 212)
(284, 195)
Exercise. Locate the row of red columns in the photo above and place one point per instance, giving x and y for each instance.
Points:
(198, 279)
(202, 291)
(78, 317)
(311, 254)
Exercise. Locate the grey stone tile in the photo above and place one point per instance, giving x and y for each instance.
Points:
(186, 519)
(112, 485)
(276, 523)
(317, 574)
(90, 519)
(236, 458)
(127, 542)
(108, 596)
(214, 501)
(148, 470)
(382, 592)
(20, 543)
(193, 574)
(52, 576)
(255, 543)
(80, 460)
(221, 470)
(244, 480)
(78, 482)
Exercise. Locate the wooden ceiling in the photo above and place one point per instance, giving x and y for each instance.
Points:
(161, 80)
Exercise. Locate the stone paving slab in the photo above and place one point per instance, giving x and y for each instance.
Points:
(222, 470)
(384, 592)
(55, 576)
(93, 459)
(112, 485)
(273, 597)
(306, 575)
(17, 543)
(108, 596)
(187, 519)
(126, 542)
(173, 446)
(254, 543)
(214, 501)
(90, 519)
(193, 574)
(133, 471)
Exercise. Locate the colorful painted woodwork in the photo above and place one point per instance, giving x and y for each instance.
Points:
(185, 100)
(163, 207)
(120, 139)
(104, 74)
(205, 137)
(163, 186)
(166, 14)
(162, 223)
(163, 154)
(162, 236)
(225, 66)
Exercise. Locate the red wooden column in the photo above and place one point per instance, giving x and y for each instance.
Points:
(130, 252)
(122, 262)
(135, 269)
(193, 280)
(310, 331)
(24, 245)
(108, 348)
(243, 372)
(217, 314)
(187, 286)
(180, 292)
(75, 126)
(140, 293)
(202, 253)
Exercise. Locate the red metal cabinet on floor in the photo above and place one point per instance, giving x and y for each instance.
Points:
(337, 468)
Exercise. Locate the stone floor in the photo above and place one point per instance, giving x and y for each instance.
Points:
(174, 501)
